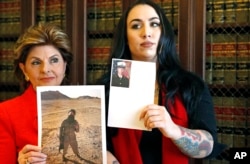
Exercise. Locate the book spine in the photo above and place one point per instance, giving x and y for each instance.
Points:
(167, 7)
(230, 63)
(3, 65)
(117, 12)
(9, 78)
(100, 15)
(16, 19)
(242, 11)
(209, 11)
(41, 11)
(209, 65)
(217, 100)
(218, 64)
(109, 16)
(230, 11)
(175, 9)
(58, 12)
(6, 63)
(55, 13)
(97, 63)
(240, 124)
(10, 18)
(2, 29)
(112, 14)
(90, 60)
(218, 12)
(227, 136)
(49, 10)
(91, 15)
(242, 66)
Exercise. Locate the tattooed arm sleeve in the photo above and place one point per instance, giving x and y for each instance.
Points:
(194, 143)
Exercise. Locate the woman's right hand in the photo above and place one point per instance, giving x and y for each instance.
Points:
(111, 158)
(31, 154)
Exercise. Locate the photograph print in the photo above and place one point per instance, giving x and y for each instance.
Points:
(70, 124)
(120, 73)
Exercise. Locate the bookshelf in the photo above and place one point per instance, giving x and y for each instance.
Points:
(10, 28)
(227, 70)
(213, 36)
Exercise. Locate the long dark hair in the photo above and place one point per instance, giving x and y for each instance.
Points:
(170, 74)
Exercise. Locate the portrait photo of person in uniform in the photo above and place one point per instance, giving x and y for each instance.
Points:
(120, 76)
(68, 130)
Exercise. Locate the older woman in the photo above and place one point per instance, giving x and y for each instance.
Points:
(42, 58)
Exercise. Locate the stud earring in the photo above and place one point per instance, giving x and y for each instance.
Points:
(27, 78)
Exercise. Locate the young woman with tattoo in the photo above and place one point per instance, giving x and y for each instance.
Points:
(182, 119)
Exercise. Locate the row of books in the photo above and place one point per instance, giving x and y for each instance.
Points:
(97, 63)
(10, 28)
(10, 17)
(171, 9)
(227, 11)
(7, 72)
(9, 86)
(232, 110)
(103, 15)
(51, 11)
(7, 61)
(102, 18)
(228, 70)
(228, 63)
(47, 11)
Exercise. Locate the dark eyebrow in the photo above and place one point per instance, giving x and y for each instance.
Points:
(154, 18)
(37, 58)
(139, 20)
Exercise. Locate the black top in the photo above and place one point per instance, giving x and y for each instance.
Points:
(120, 81)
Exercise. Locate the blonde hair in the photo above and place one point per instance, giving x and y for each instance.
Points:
(38, 35)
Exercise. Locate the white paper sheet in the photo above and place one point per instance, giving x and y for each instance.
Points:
(126, 103)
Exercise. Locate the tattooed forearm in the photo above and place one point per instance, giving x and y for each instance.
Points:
(189, 133)
(187, 146)
(193, 143)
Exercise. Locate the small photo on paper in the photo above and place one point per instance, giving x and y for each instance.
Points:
(120, 73)
(70, 124)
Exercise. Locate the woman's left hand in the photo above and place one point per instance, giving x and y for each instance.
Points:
(156, 116)
(31, 154)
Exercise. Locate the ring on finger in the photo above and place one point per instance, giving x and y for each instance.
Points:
(27, 161)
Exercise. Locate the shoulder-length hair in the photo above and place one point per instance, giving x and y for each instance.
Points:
(38, 35)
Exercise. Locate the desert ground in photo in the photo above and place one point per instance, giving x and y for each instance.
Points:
(89, 138)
